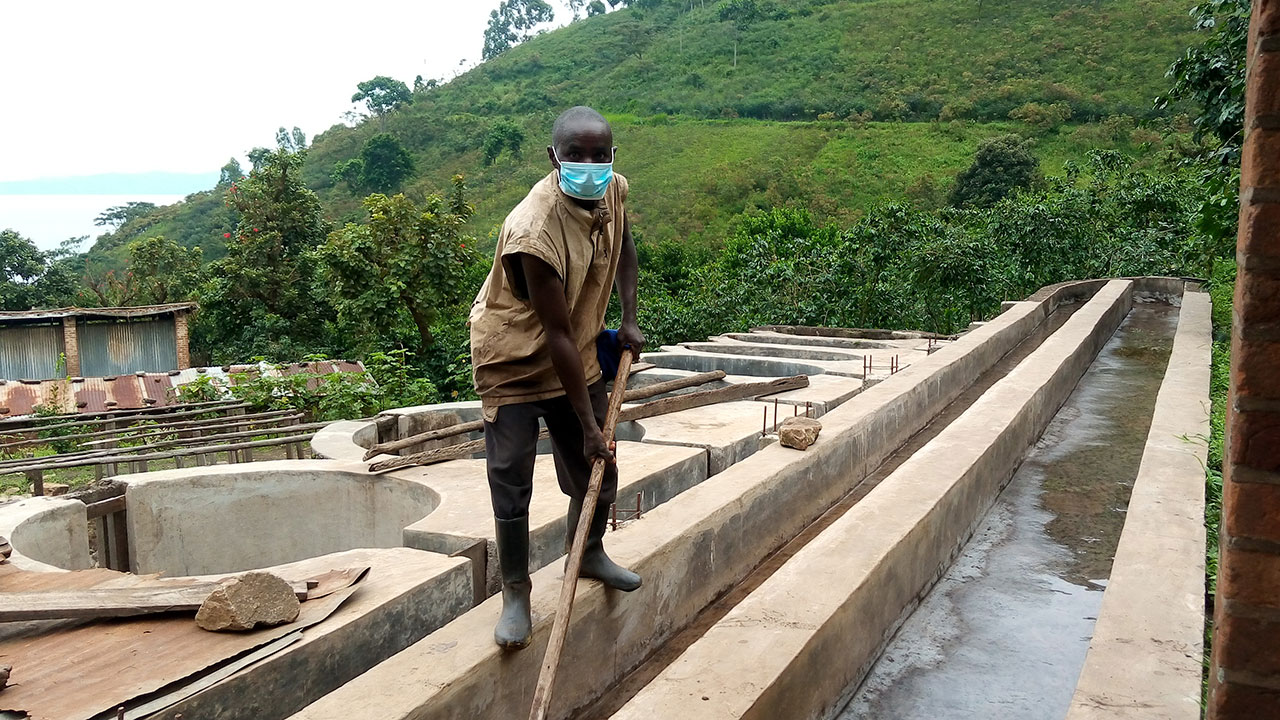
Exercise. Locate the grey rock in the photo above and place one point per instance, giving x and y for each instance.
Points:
(253, 599)
(799, 432)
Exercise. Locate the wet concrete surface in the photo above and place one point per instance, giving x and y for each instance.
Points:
(1005, 632)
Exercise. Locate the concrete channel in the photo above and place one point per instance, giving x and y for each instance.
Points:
(1004, 634)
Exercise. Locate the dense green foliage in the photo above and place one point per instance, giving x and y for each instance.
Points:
(900, 267)
(406, 259)
(391, 383)
(259, 299)
(1002, 164)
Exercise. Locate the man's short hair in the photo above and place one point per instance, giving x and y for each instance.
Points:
(571, 120)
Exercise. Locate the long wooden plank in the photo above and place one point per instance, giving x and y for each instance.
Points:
(108, 602)
(560, 626)
(633, 395)
(185, 452)
(131, 433)
(636, 412)
(52, 462)
(129, 419)
(97, 446)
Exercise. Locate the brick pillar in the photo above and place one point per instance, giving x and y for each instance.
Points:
(71, 346)
(183, 339)
(1245, 672)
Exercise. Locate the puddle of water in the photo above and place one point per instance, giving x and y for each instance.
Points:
(1005, 632)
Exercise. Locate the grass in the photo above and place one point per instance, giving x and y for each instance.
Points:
(690, 178)
(667, 79)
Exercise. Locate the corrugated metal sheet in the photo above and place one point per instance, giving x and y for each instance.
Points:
(30, 352)
(136, 390)
(140, 345)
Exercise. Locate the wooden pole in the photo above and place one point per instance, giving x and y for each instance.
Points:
(641, 393)
(638, 412)
(560, 628)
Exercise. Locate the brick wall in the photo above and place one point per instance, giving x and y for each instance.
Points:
(183, 339)
(1245, 672)
(71, 346)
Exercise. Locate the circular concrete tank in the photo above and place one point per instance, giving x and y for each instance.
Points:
(202, 521)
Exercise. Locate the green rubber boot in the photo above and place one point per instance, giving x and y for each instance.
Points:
(515, 626)
(595, 563)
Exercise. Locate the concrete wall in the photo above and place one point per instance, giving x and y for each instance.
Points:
(804, 637)
(239, 517)
(46, 534)
(1144, 659)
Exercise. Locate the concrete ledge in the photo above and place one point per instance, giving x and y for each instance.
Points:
(345, 440)
(1145, 657)
(407, 594)
(465, 518)
(47, 534)
(728, 432)
(808, 634)
(688, 552)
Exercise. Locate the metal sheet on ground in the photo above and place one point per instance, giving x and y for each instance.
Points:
(78, 671)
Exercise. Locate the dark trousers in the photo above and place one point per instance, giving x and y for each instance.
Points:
(511, 442)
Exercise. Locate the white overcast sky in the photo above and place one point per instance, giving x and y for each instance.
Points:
(92, 87)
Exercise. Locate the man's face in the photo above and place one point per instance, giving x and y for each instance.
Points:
(588, 144)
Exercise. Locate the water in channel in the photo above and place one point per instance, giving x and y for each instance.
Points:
(1005, 632)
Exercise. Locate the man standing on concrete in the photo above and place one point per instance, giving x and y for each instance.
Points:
(534, 326)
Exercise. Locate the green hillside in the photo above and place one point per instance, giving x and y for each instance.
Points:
(832, 106)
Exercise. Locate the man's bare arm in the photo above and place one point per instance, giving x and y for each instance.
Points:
(546, 294)
(626, 282)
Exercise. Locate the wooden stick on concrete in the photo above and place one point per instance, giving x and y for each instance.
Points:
(638, 412)
(560, 628)
(641, 393)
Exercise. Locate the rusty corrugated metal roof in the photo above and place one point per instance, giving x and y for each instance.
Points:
(137, 390)
(119, 312)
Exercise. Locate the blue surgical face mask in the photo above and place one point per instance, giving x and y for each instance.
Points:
(585, 181)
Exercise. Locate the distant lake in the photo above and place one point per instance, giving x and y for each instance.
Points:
(49, 219)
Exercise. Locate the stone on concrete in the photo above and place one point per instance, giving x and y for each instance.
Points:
(799, 432)
(56, 489)
(253, 599)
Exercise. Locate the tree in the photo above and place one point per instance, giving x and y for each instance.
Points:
(21, 265)
(293, 141)
(1212, 75)
(512, 23)
(164, 270)
(503, 134)
(121, 214)
(258, 156)
(381, 95)
(1000, 165)
(743, 14)
(405, 259)
(595, 8)
(230, 173)
(261, 300)
(384, 163)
